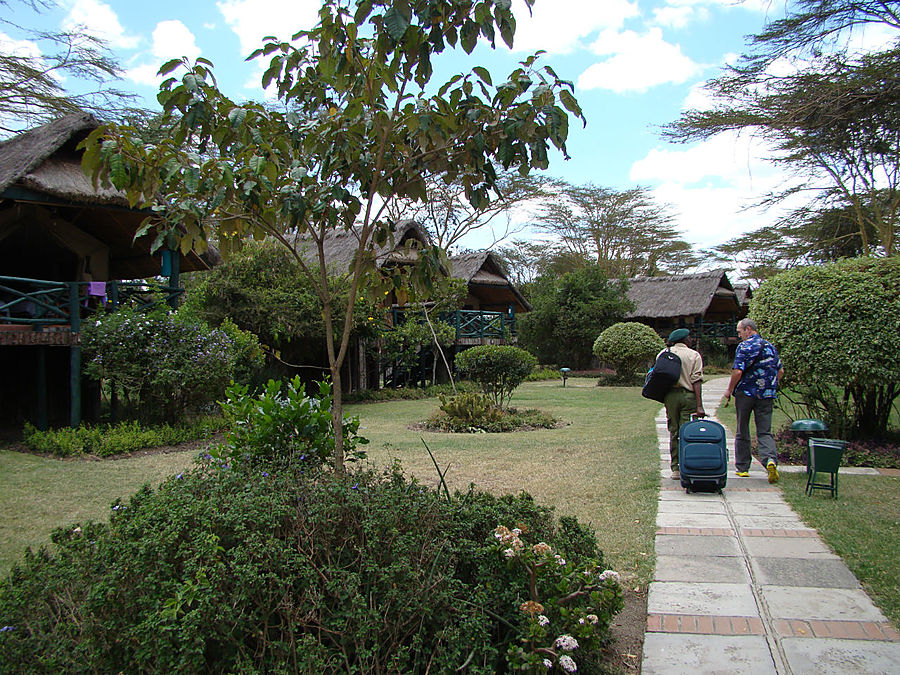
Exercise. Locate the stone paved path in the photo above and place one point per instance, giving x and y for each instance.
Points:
(742, 586)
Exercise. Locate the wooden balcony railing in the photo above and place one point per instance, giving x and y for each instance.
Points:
(39, 303)
(468, 323)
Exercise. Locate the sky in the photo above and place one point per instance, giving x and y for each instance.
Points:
(636, 66)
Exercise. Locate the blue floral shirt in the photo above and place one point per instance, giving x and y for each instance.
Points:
(762, 382)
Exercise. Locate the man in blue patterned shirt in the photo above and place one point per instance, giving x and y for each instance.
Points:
(754, 382)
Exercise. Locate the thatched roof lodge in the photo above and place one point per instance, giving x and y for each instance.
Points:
(55, 225)
(706, 302)
(489, 288)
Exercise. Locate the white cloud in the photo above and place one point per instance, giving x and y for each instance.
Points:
(22, 48)
(252, 20)
(678, 17)
(711, 185)
(98, 19)
(171, 40)
(636, 62)
(560, 26)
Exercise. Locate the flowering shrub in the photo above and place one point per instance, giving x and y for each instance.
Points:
(166, 366)
(470, 412)
(570, 605)
(231, 567)
(282, 425)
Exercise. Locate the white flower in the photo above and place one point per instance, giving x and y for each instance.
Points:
(566, 642)
(543, 620)
(548, 664)
(560, 560)
(592, 618)
(516, 531)
(567, 664)
(610, 574)
(509, 553)
(581, 621)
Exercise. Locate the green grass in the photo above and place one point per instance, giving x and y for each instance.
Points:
(861, 526)
(602, 467)
(38, 494)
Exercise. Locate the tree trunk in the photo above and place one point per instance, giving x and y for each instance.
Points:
(337, 417)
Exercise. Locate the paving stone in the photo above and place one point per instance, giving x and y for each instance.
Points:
(709, 654)
(769, 522)
(803, 572)
(681, 495)
(787, 547)
(693, 520)
(683, 544)
(714, 569)
(768, 497)
(713, 599)
(829, 656)
(777, 509)
(822, 604)
(692, 506)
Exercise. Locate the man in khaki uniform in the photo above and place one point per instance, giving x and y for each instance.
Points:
(685, 398)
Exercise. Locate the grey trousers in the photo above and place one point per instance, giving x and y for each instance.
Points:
(761, 408)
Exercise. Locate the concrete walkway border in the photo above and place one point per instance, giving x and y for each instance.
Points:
(743, 586)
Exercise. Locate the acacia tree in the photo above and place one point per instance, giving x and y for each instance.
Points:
(449, 216)
(364, 124)
(625, 232)
(32, 84)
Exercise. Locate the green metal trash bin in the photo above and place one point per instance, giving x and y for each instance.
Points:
(824, 457)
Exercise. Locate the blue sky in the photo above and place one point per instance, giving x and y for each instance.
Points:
(635, 64)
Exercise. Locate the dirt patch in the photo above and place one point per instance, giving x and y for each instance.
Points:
(624, 654)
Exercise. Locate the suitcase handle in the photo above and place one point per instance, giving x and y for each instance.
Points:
(697, 416)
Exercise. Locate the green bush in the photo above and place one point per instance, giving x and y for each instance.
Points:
(116, 439)
(228, 568)
(628, 347)
(407, 393)
(167, 366)
(282, 425)
(543, 373)
(835, 327)
(498, 369)
(472, 412)
(471, 409)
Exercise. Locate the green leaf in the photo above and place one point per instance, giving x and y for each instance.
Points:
(483, 73)
(569, 101)
(469, 36)
(168, 67)
(396, 24)
(236, 116)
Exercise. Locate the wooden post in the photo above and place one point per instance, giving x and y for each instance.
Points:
(75, 357)
(42, 421)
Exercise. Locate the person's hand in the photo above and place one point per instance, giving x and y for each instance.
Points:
(727, 399)
(700, 412)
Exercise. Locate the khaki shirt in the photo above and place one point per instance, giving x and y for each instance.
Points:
(691, 365)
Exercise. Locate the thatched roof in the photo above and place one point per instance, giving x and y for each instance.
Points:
(41, 180)
(45, 159)
(678, 295)
(482, 269)
(743, 292)
(341, 246)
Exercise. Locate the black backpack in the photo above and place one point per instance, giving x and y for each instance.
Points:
(662, 376)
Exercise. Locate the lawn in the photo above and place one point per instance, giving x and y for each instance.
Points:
(602, 467)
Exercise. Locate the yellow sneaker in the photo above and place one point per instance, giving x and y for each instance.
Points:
(773, 471)
(743, 474)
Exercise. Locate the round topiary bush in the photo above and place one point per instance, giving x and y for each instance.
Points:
(498, 369)
(628, 346)
(227, 568)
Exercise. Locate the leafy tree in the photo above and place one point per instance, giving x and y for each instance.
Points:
(364, 124)
(498, 369)
(628, 346)
(449, 217)
(569, 311)
(622, 231)
(803, 237)
(835, 124)
(836, 329)
(32, 87)
(263, 290)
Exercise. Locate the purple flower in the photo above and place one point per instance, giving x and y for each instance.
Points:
(6, 628)
(355, 487)
(180, 476)
(265, 474)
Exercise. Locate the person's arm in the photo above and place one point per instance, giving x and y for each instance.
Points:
(698, 392)
(736, 376)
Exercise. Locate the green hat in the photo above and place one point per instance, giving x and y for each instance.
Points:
(678, 335)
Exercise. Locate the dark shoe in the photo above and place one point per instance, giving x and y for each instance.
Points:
(772, 468)
(676, 475)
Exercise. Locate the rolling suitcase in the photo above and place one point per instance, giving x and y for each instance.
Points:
(702, 455)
